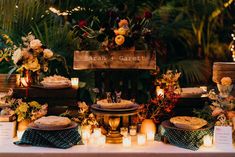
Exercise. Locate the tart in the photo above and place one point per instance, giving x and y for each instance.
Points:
(121, 105)
(188, 123)
(52, 122)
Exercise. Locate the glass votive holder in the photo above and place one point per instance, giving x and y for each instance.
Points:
(207, 141)
(141, 139)
(124, 131)
(126, 141)
(97, 132)
(102, 140)
(150, 135)
(20, 134)
(75, 82)
(133, 130)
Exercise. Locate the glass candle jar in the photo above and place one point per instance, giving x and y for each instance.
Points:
(133, 130)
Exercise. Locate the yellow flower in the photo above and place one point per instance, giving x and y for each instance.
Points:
(34, 104)
(122, 31)
(119, 39)
(32, 65)
(122, 23)
(23, 107)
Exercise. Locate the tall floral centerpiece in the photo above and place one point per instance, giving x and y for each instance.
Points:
(31, 58)
(161, 106)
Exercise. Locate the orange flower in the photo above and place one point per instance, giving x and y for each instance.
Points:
(122, 23)
(119, 40)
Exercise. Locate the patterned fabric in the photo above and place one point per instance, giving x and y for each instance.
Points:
(59, 139)
(184, 138)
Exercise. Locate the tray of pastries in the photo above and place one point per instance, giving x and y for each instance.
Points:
(52, 123)
(188, 123)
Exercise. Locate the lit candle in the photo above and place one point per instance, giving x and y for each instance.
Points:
(160, 92)
(126, 141)
(25, 81)
(20, 134)
(150, 136)
(124, 131)
(102, 140)
(18, 81)
(207, 141)
(133, 130)
(75, 83)
(97, 132)
(86, 133)
(141, 139)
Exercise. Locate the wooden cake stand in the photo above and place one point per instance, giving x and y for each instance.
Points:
(114, 116)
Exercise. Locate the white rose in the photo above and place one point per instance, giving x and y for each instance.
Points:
(35, 44)
(47, 53)
(17, 55)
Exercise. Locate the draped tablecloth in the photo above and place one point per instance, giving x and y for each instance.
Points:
(151, 149)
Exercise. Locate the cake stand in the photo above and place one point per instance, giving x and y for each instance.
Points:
(114, 116)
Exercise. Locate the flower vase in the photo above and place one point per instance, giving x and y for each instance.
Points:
(22, 125)
(148, 125)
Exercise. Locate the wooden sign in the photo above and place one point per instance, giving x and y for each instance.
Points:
(123, 59)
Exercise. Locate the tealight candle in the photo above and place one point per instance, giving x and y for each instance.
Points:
(102, 140)
(18, 81)
(75, 83)
(124, 131)
(150, 136)
(141, 139)
(160, 92)
(25, 81)
(133, 130)
(97, 132)
(207, 141)
(20, 134)
(126, 141)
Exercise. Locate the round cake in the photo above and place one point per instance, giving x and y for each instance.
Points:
(189, 123)
(52, 122)
(123, 104)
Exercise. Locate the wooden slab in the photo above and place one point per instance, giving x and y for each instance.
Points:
(123, 59)
(223, 69)
(5, 83)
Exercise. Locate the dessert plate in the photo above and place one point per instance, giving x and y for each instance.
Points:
(35, 127)
(97, 107)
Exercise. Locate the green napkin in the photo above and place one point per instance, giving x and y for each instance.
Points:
(185, 139)
(58, 139)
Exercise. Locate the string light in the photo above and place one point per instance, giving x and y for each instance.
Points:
(67, 12)
(232, 49)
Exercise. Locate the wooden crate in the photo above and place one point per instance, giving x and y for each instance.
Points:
(5, 83)
(223, 69)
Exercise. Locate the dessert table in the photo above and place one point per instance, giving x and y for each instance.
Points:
(159, 149)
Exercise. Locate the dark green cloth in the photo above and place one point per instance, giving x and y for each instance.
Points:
(58, 139)
(184, 138)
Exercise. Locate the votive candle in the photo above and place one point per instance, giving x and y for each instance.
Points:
(141, 139)
(124, 131)
(160, 92)
(102, 140)
(126, 141)
(150, 136)
(75, 83)
(18, 81)
(97, 132)
(20, 134)
(133, 130)
(207, 141)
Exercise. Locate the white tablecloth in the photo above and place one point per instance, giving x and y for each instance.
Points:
(151, 149)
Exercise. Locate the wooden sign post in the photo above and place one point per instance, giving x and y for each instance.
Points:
(123, 59)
